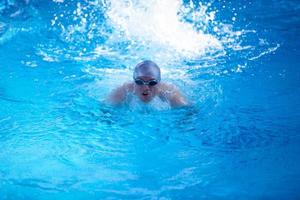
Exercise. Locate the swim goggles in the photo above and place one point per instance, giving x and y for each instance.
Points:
(142, 82)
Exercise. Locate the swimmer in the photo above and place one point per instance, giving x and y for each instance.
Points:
(147, 85)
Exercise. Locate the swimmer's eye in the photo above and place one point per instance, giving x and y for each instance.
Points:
(142, 82)
(152, 82)
(139, 82)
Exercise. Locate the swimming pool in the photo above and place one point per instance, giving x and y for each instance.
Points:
(236, 61)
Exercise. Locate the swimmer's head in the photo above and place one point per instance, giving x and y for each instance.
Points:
(147, 68)
(146, 76)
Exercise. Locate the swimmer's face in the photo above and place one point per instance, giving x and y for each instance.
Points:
(146, 92)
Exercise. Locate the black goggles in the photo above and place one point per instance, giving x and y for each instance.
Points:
(142, 82)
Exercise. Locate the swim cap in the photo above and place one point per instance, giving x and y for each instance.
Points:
(147, 68)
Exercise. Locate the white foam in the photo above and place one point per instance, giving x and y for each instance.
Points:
(157, 24)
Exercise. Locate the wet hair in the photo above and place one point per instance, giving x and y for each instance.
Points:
(147, 68)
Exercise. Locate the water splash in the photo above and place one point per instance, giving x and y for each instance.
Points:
(121, 33)
(159, 27)
(167, 31)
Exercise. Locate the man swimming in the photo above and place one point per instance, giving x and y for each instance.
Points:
(146, 86)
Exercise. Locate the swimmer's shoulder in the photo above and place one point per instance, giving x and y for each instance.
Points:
(167, 87)
(119, 94)
(172, 94)
(128, 86)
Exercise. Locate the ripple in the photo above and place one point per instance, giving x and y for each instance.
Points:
(3, 28)
(36, 183)
(239, 129)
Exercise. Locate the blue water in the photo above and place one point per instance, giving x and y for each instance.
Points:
(236, 61)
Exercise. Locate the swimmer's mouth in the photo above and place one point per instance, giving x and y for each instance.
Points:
(145, 93)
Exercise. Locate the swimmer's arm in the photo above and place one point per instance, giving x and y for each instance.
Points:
(174, 96)
(118, 95)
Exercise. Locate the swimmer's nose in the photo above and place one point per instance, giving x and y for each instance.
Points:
(145, 87)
